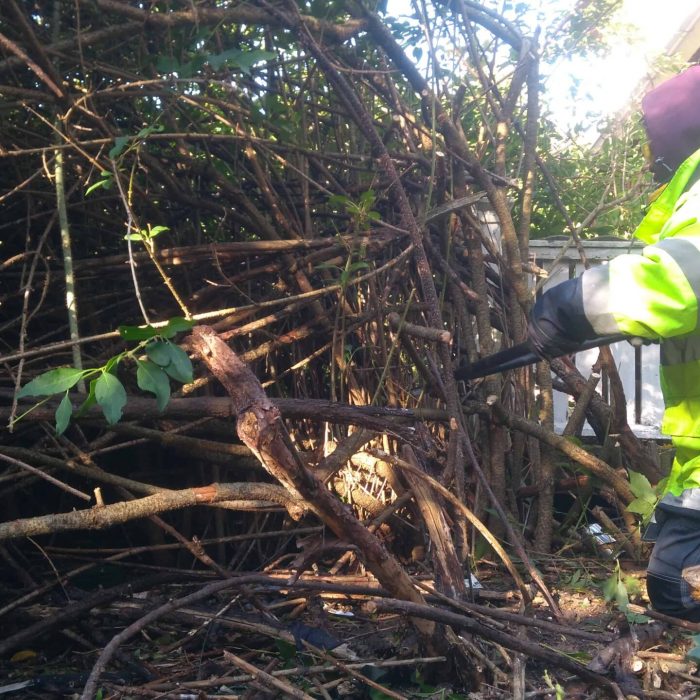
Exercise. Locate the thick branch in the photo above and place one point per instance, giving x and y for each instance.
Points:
(240, 14)
(98, 518)
(532, 650)
(259, 426)
(600, 418)
(596, 466)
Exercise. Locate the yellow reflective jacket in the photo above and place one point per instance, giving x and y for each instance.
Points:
(655, 296)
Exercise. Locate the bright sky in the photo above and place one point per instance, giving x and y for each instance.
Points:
(610, 81)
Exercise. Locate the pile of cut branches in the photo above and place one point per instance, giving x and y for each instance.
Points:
(244, 249)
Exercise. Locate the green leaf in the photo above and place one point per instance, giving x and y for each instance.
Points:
(154, 231)
(339, 201)
(111, 396)
(111, 365)
(63, 414)
(641, 507)
(195, 65)
(367, 198)
(640, 486)
(172, 359)
(610, 587)
(105, 184)
(152, 378)
(186, 70)
(180, 366)
(633, 586)
(145, 234)
(637, 618)
(148, 130)
(167, 64)
(176, 325)
(89, 401)
(119, 145)
(245, 60)
(54, 381)
(157, 351)
(358, 266)
(137, 332)
(217, 60)
(621, 596)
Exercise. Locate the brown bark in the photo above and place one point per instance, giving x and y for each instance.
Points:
(100, 517)
(600, 416)
(544, 467)
(449, 575)
(246, 14)
(434, 334)
(458, 144)
(531, 649)
(80, 608)
(139, 407)
(259, 426)
(596, 466)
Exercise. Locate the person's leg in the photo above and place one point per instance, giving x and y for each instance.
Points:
(677, 547)
(671, 597)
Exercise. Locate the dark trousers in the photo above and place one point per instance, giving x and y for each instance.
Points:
(677, 547)
(671, 598)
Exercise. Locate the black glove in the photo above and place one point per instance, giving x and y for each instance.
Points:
(558, 325)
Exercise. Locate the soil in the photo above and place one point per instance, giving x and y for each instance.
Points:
(201, 650)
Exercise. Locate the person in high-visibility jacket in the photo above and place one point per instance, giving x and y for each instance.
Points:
(654, 296)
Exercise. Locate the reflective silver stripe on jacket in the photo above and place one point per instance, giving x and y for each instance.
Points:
(677, 351)
(682, 349)
(688, 501)
(595, 290)
(687, 257)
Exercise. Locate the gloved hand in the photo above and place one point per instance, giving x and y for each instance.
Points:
(558, 325)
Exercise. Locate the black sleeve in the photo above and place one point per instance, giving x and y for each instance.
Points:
(558, 323)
